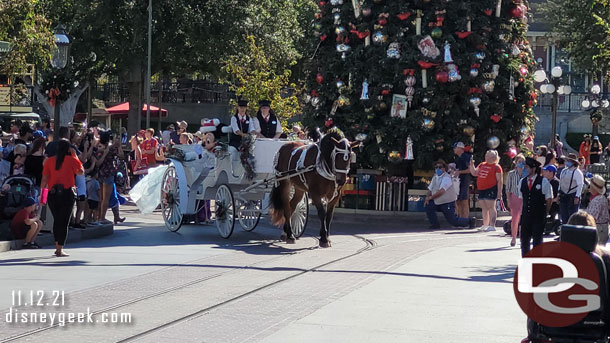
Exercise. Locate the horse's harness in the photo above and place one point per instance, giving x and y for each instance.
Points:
(321, 166)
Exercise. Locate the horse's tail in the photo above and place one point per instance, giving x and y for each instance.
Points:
(276, 205)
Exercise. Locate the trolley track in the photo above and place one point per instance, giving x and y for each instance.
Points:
(369, 245)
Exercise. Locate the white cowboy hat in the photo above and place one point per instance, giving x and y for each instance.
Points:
(598, 184)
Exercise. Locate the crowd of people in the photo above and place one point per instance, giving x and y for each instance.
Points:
(538, 189)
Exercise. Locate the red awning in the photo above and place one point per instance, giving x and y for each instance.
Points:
(122, 110)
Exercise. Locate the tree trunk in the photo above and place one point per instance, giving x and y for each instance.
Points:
(134, 82)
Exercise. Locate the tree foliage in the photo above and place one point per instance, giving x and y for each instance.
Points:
(582, 29)
(24, 26)
(254, 78)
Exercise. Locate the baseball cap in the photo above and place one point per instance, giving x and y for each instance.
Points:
(459, 145)
(551, 168)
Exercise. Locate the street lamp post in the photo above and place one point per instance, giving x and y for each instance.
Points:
(595, 101)
(59, 60)
(554, 87)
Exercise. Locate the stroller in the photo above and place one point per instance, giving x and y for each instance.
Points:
(553, 223)
(21, 187)
(594, 327)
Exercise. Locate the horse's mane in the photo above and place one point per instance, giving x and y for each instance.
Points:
(327, 144)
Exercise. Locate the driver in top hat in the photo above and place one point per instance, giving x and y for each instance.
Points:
(537, 195)
(241, 123)
(266, 123)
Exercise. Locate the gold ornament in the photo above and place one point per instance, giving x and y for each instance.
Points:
(469, 131)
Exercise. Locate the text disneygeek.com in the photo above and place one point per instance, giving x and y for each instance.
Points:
(29, 308)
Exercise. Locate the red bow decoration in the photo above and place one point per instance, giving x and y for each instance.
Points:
(404, 16)
(487, 12)
(53, 94)
(496, 118)
(323, 37)
(408, 71)
(426, 65)
(314, 92)
(475, 66)
(385, 92)
(474, 90)
(360, 35)
(462, 35)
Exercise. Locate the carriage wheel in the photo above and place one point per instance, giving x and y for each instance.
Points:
(298, 221)
(249, 214)
(225, 211)
(170, 200)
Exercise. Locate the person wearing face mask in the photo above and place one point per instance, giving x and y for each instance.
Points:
(513, 183)
(441, 197)
(571, 182)
(541, 153)
(537, 195)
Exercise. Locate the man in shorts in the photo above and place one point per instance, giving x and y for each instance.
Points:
(462, 163)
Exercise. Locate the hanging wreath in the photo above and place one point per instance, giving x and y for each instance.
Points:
(246, 150)
(57, 85)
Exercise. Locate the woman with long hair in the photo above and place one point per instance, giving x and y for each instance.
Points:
(489, 185)
(108, 151)
(595, 152)
(58, 182)
(35, 160)
(513, 183)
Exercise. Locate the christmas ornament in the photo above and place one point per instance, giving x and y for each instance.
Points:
(498, 8)
(337, 18)
(516, 12)
(487, 11)
(361, 137)
(495, 70)
(480, 55)
(488, 86)
(428, 124)
(403, 16)
(428, 48)
(425, 101)
(339, 31)
(474, 72)
(340, 84)
(454, 74)
(394, 156)
(315, 101)
(442, 76)
(493, 142)
(409, 149)
(496, 118)
(410, 90)
(365, 90)
(357, 8)
(343, 100)
(394, 50)
(343, 48)
(366, 12)
(379, 37)
(475, 102)
(336, 2)
(512, 152)
(516, 51)
(426, 112)
(328, 122)
(523, 70)
(436, 33)
(382, 19)
(319, 78)
(468, 131)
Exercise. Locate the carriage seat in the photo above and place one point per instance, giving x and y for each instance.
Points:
(595, 325)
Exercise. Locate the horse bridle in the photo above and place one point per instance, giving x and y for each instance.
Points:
(346, 156)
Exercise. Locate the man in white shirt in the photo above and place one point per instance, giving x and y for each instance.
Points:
(241, 123)
(266, 123)
(441, 197)
(571, 182)
(537, 195)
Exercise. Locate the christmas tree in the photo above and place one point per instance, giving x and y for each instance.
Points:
(434, 71)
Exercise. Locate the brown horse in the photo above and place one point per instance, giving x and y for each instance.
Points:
(326, 164)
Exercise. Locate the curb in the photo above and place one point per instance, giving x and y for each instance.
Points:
(74, 235)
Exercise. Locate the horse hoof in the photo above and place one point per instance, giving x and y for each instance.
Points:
(290, 241)
(325, 244)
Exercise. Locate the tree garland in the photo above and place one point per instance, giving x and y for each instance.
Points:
(246, 150)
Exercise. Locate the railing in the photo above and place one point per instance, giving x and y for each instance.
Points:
(182, 92)
(18, 95)
(567, 103)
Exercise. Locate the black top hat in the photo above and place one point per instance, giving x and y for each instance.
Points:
(242, 103)
(264, 103)
(532, 163)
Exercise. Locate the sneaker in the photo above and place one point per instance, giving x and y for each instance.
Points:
(105, 222)
(33, 245)
(25, 246)
(93, 224)
(482, 228)
(490, 229)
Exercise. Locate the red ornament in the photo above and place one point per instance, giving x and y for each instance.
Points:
(314, 92)
(383, 21)
(323, 37)
(319, 78)
(426, 65)
(322, 3)
(487, 11)
(442, 77)
(318, 15)
(385, 92)
(404, 16)
(462, 35)
(516, 12)
(496, 118)
(329, 122)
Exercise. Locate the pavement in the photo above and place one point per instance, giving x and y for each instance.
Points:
(385, 279)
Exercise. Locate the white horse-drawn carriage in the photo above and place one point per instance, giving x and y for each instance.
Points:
(189, 182)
